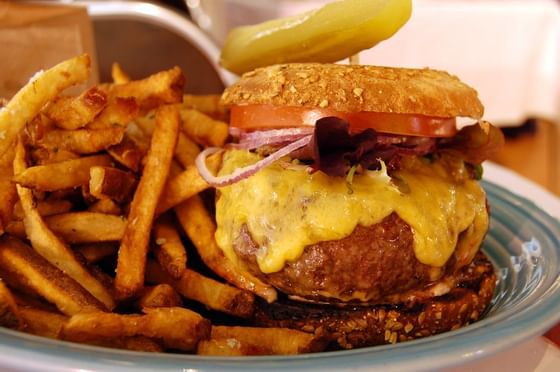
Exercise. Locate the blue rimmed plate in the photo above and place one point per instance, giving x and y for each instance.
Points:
(523, 243)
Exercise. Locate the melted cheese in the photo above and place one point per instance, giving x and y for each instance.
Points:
(286, 210)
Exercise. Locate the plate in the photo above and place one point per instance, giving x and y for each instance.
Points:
(523, 243)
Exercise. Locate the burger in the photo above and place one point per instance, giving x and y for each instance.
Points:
(352, 191)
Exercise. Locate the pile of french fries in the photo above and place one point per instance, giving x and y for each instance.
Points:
(99, 208)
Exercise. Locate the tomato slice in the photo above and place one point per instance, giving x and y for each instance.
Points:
(258, 117)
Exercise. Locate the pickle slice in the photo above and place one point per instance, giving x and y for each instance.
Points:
(328, 34)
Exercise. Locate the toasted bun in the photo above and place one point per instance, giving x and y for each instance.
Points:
(361, 326)
(354, 88)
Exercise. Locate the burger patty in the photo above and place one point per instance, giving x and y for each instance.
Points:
(359, 326)
(368, 265)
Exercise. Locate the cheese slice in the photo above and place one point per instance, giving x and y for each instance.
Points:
(287, 209)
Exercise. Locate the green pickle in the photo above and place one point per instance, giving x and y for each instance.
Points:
(336, 31)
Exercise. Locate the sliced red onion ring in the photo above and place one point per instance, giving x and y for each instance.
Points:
(253, 140)
(247, 171)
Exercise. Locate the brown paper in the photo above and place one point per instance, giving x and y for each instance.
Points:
(37, 36)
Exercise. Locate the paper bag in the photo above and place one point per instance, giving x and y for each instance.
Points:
(34, 37)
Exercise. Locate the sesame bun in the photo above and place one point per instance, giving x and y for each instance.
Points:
(355, 88)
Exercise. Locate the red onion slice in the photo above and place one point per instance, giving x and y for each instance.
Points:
(241, 173)
(253, 140)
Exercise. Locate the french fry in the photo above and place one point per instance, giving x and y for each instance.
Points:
(31, 270)
(48, 245)
(10, 316)
(78, 227)
(105, 206)
(44, 156)
(41, 322)
(16, 228)
(208, 104)
(119, 112)
(199, 226)
(215, 295)
(203, 129)
(75, 112)
(45, 208)
(177, 328)
(161, 88)
(41, 89)
(169, 249)
(280, 341)
(161, 295)
(87, 227)
(229, 347)
(186, 151)
(8, 194)
(69, 174)
(186, 184)
(128, 153)
(147, 123)
(111, 183)
(83, 141)
(95, 252)
(118, 74)
(134, 245)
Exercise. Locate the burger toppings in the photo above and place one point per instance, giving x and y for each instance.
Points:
(331, 147)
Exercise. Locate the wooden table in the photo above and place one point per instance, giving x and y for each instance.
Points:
(534, 152)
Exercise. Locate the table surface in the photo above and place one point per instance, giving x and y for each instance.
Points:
(533, 151)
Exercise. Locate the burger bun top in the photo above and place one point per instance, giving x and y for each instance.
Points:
(355, 88)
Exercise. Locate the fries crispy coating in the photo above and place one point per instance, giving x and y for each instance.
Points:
(41, 89)
(230, 347)
(44, 156)
(118, 74)
(134, 245)
(186, 184)
(111, 183)
(215, 295)
(203, 129)
(29, 269)
(105, 206)
(176, 327)
(87, 227)
(75, 112)
(49, 245)
(8, 194)
(161, 88)
(169, 249)
(95, 252)
(161, 295)
(209, 104)
(119, 112)
(10, 315)
(41, 322)
(128, 153)
(45, 208)
(280, 341)
(83, 141)
(200, 228)
(69, 174)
